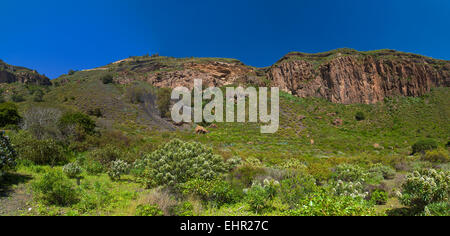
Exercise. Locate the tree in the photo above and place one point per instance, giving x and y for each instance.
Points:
(9, 114)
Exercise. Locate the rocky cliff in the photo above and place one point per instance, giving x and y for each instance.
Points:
(12, 74)
(347, 76)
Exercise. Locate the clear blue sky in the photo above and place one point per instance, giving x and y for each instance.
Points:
(55, 36)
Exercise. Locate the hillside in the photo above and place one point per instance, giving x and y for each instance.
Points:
(358, 122)
(12, 74)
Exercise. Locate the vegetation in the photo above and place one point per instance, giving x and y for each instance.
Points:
(7, 155)
(9, 114)
(424, 145)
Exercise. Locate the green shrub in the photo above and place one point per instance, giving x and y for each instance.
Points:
(296, 187)
(424, 145)
(183, 209)
(108, 79)
(7, 154)
(55, 189)
(178, 162)
(350, 173)
(437, 156)
(425, 187)
(148, 210)
(322, 203)
(38, 96)
(9, 114)
(17, 97)
(78, 119)
(438, 209)
(349, 189)
(117, 169)
(72, 170)
(93, 167)
(40, 152)
(260, 195)
(386, 171)
(379, 197)
(360, 116)
(217, 191)
(105, 155)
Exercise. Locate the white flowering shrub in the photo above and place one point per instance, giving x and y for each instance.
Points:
(178, 162)
(7, 154)
(72, 170)
(425, 187)
(350, 173)
(350, 189)
(233, 163)
(117, 169)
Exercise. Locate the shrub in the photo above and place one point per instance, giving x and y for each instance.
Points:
(105, 155)
(183, 209)
(97, 112)
(9, 114)
(148, 210)
(177, 162)
(360, 116)
(297, 187)
(81, 120)
(117, 169)
(386, 171)
(72, 170)
(322, 203)
(42, 122)
(349, 189)
(7, 154)
(93, 167)
(437, 156)
(233, 163)
(260, 195)
(17, 97)
(379, 197)
(40, 152)
(217, 191)
(438, 209)
(54, 188)
(350, 173)
(38, 96)
(163, 101)
(107, 79)
(425, 187)
(424, 145)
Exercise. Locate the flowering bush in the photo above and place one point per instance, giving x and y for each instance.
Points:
(350, 189)
(260, 195)
(178, 162)
(72, 170)
(350, 173)
(117, 169)
(7, 154)
(233, 163)
(425, 187)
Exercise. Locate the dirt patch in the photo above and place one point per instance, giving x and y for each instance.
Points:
(14, 194)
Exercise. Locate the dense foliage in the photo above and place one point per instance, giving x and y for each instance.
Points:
(7, 154)
(177, 162)
(55, 188)
(9, 114)
(424, 145)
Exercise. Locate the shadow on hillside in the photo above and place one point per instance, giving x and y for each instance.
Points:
(9, 180)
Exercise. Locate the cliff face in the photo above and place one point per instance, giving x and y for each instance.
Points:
(359, 78)
(12, 74)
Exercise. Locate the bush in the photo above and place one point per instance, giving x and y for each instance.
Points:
(148, 210)
(322, 203)
(163, 101)
(38, 96)
(297, 187)
(349, 189)
(97, 112)
(350, 173)
(117, 169)
(217, 191)
(40, 152)
(7, 154)
(438, 209)
(17, 97)
(424, 145)
(105, 155)
(108, 79)
(9, 114)
(178, 162)
(183, 209)
(42, 122)
(386, 171)
(425, 187)
(78, 119)
(437, 156)
(55, 189)
(379, 197)
(360, 116)
(72, 170)
(260, 195)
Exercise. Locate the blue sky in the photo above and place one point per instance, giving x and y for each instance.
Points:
(55, 36)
